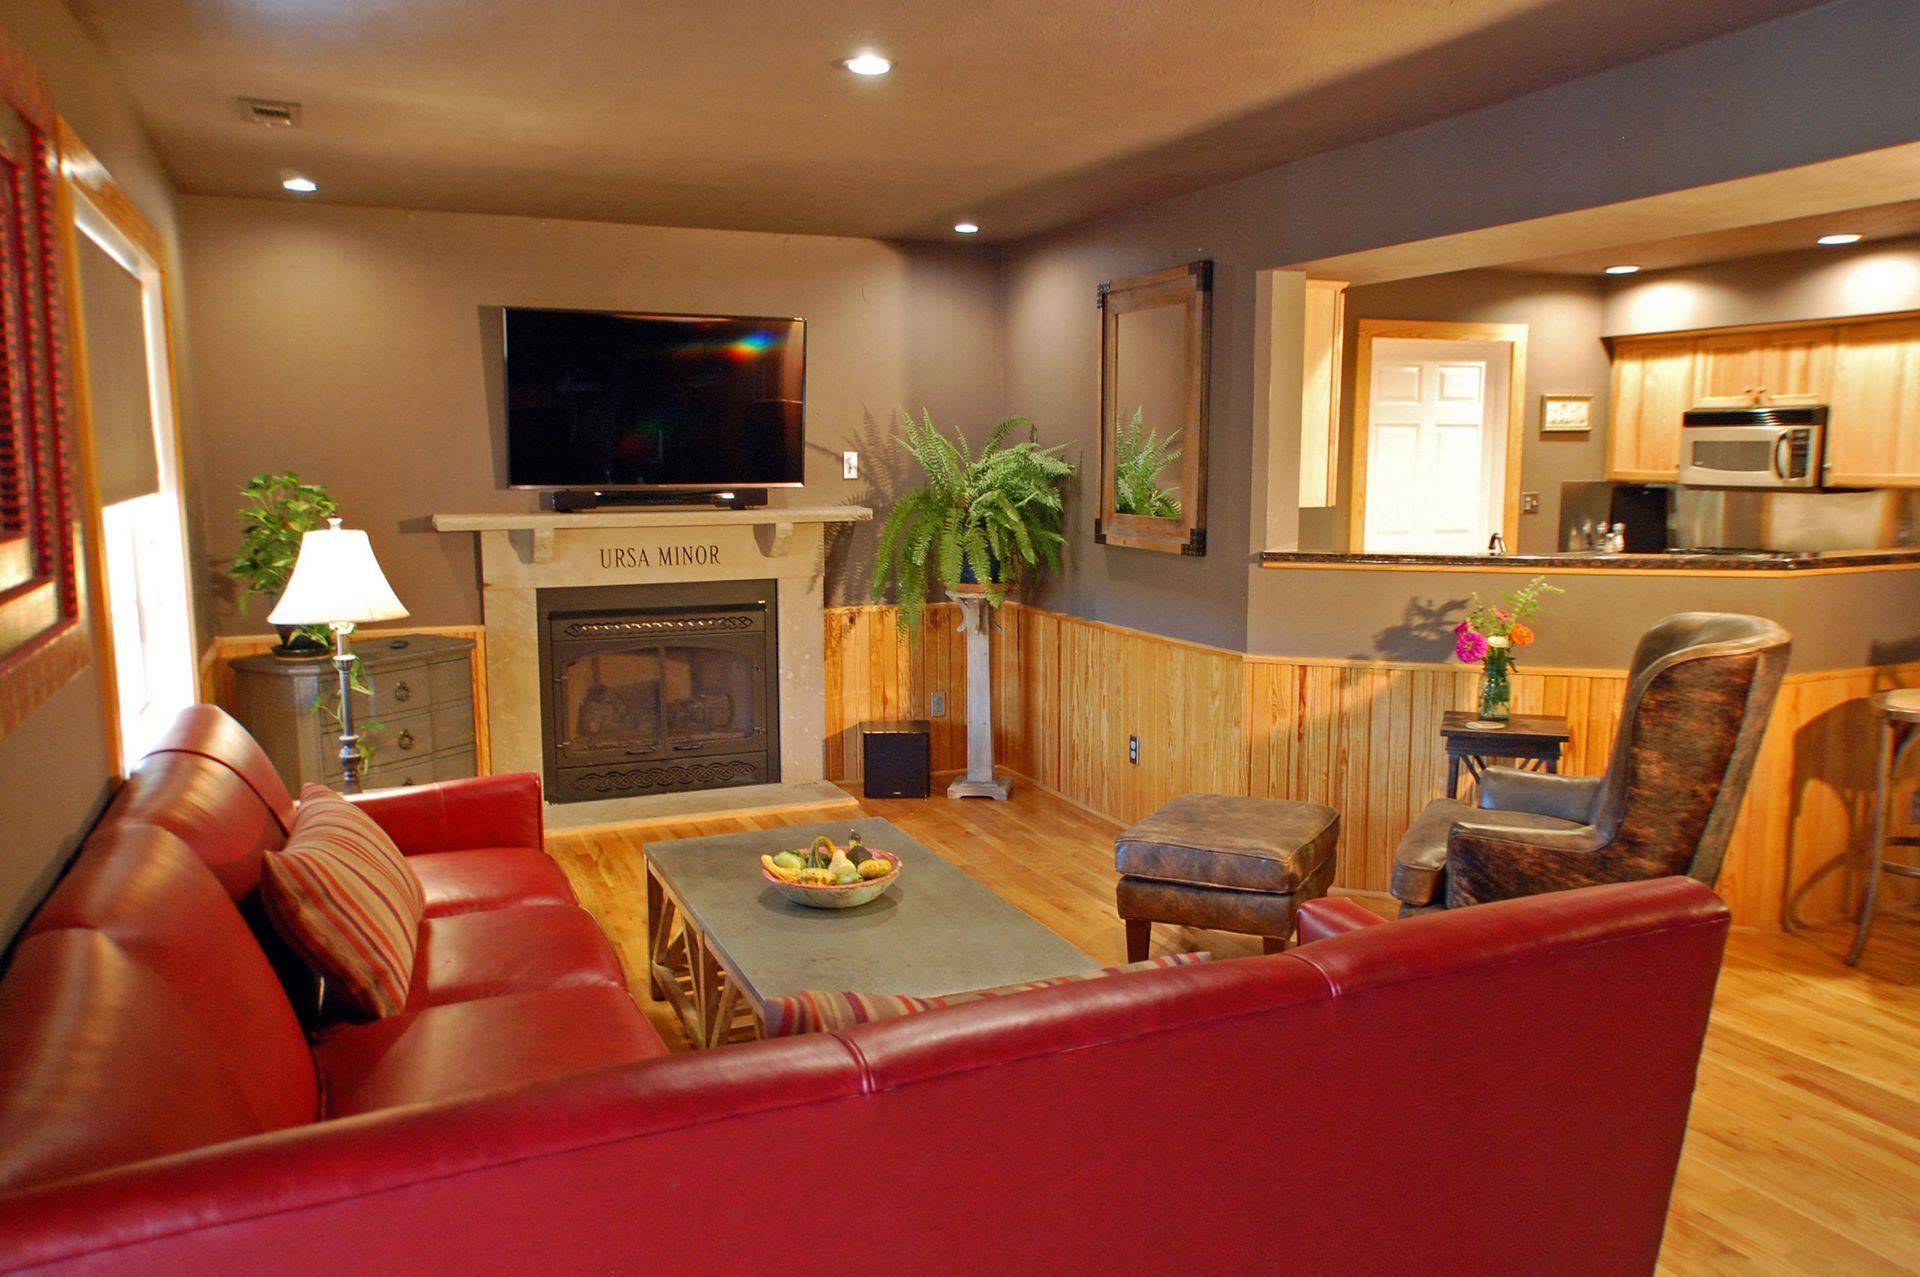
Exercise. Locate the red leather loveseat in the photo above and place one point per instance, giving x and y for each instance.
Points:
(1500, 1089)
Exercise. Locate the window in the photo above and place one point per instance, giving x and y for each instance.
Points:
(124, 361)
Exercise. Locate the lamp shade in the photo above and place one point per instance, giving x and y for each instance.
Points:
(336, 581)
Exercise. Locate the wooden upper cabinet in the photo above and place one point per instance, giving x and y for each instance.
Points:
(1653, 383)
(1789, 367)
(1873, 433)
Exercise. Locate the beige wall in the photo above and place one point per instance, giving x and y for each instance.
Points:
(55, 768)
(1819, 283)
(359, 347)
(1564, 356)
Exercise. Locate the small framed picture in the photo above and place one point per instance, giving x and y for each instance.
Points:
(1565, 414)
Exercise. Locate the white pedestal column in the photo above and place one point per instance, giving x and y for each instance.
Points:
(980, 780)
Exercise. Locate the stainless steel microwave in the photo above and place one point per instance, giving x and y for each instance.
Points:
(1753, 447)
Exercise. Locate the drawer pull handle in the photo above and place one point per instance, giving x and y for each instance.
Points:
(401, 692)
(406, 740)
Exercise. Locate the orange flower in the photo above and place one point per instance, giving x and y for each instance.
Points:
(1522, 634)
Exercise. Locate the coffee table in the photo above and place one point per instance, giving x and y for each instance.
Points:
(720, 938)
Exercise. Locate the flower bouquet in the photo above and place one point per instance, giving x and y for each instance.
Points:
(1490, 635)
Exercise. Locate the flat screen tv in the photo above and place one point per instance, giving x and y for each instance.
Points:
(610, 401)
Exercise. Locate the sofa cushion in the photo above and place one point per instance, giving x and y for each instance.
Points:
(210, 784)
(489, 878)
(346, 901)
(810, 1012)
(103, 1064)
(502, 951)
(463, 1048)
(1220, 840)
(146, 890)
(1420, 861)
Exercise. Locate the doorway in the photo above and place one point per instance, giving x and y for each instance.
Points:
(1437, 435)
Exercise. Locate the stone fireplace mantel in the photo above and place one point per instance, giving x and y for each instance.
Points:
(521, 554)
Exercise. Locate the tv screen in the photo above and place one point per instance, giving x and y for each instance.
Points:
(604, 400)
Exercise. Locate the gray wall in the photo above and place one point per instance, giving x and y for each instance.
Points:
(55, 768)
(1868, 278)
(359, 347)
(1564, 356)
(1708, 113)
(1397, 615)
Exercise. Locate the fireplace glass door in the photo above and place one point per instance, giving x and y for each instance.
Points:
(650, 704)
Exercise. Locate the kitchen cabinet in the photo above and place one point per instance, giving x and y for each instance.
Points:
(1789, 367)
(1873, 432)
(1653, 383)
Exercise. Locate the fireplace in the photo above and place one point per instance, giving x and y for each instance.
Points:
(656, 689)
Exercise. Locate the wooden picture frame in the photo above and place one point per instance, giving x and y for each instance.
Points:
(1191, 288)
(1566, 414)
(43, 639)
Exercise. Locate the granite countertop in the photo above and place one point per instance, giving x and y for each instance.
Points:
(1675, 560)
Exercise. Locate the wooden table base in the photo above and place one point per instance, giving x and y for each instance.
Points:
(684, 972)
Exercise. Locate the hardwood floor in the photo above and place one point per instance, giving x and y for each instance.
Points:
(1803, 1150)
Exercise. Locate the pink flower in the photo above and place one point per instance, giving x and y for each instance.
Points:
(1462, 628)
(1470, 648)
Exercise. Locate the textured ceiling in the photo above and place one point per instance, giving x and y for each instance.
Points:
(1020, 114)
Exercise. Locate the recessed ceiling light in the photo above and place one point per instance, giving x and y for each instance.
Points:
(868, 64)
(304, 185)
(966, 228)
(1838, 239)
(1621, 270)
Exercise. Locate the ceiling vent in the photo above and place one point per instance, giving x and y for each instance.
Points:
(274, 115)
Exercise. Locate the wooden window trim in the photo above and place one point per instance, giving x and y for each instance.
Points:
(43, 638)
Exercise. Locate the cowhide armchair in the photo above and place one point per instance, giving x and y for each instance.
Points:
(1698, 695)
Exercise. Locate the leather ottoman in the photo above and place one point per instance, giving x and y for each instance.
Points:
(1226, 864)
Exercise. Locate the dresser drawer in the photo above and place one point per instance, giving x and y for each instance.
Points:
(399, 741)
(452, 723)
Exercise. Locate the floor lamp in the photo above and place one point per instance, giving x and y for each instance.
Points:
(337, 583)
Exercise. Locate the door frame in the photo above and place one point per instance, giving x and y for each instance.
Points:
(1512, 335)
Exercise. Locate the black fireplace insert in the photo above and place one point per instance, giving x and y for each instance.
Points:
(656, 689)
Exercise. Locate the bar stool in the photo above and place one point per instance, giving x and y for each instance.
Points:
(1899, 728)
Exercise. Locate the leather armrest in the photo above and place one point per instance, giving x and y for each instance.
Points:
(1563, 797)
(1488, 862)
(459, 815)
(1333, 916)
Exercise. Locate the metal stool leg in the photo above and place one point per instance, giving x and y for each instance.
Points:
(1883, 794)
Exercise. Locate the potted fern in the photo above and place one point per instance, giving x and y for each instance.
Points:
(1140, 454)
(981, 518)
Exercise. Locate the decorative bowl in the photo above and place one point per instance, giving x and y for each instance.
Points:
(838, 896)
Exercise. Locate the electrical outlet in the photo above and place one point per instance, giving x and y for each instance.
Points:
(849, 465)
(1133, 750)
(1529, 503)
(937, 704)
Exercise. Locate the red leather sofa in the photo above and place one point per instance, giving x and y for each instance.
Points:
(1500, 1089)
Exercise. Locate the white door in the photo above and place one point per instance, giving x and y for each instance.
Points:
(1436, 445)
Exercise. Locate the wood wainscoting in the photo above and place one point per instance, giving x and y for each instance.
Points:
(1361, 736)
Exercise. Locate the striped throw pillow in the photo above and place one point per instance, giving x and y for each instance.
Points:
(810, 1012)
(346, 900)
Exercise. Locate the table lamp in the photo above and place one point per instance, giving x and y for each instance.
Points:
(337, 583)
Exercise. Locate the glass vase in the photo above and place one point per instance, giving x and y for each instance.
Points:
(1496, 687)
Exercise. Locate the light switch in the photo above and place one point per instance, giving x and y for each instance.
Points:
(849, 465)
(1529, 503)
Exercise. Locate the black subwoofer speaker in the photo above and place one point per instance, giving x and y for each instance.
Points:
(897, 758)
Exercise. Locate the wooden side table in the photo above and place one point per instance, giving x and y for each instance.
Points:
(1532, 741)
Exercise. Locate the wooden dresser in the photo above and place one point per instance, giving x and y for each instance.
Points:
(422, 699)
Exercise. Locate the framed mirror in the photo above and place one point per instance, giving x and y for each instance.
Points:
(1155, 331)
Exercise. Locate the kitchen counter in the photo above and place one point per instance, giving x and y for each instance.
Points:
(1581, 562)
